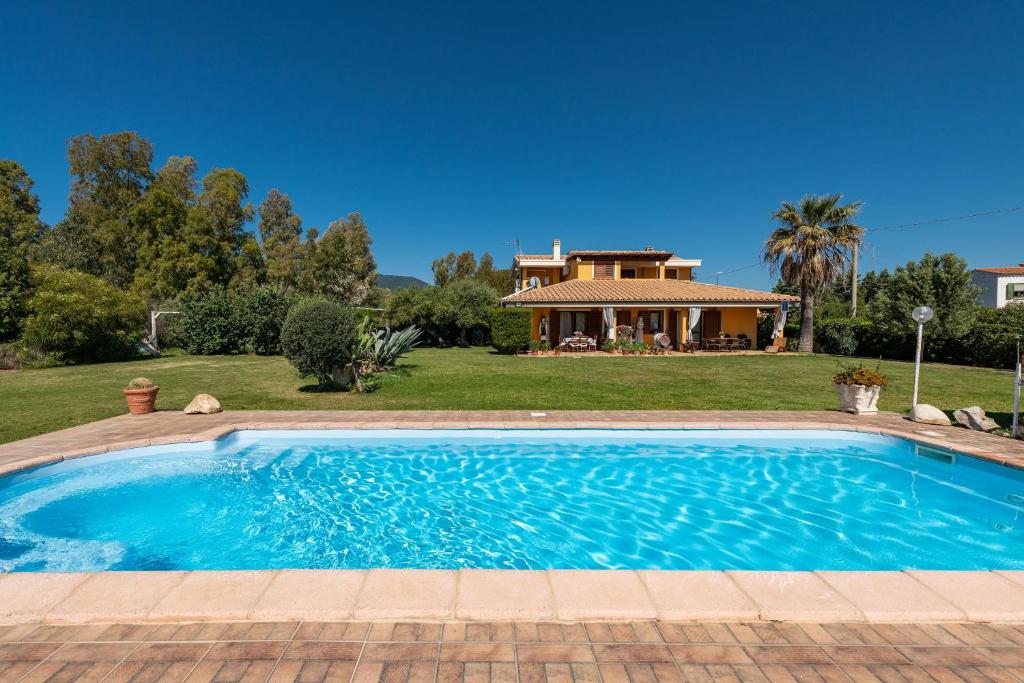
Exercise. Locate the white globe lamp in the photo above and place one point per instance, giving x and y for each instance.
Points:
(921, 315)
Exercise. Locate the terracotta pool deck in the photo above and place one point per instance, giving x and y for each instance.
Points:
(482, 596)
(525, 652)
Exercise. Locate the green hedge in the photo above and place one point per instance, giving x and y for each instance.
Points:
(510, 329)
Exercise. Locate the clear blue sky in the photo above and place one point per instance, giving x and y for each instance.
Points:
(466, 125)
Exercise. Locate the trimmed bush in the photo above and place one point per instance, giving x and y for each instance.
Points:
(78, 317)
(318, 336)
(510, 329)
(213, 323)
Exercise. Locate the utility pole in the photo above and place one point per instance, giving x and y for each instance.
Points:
(853, 283)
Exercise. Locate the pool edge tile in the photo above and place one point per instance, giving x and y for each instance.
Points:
(795, 596)
(687, 595)
(504, 595)
(115, 596)
(983, 596)
(213, 595)
(891, 597)
(600, 594)
(310, 594)
(393, 594)
(26, 597)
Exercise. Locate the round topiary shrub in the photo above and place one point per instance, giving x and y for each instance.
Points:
(318, 336)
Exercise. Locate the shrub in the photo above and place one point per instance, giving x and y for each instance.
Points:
(213, 323)
(263, 312)
(840, 336)
(10, 357)
(76, 317)
(317, 337)
(510, 329)
(858, 374)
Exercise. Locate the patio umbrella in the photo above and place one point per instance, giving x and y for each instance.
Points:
(639, 337)
(694, 318)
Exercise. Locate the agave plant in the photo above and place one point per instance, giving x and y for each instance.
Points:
(375, 352)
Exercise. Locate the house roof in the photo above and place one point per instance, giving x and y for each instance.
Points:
(1015, 270)
(642, 292)
(628, 253)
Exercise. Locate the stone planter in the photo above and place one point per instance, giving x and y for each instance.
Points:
(858, 399)
(141, 401)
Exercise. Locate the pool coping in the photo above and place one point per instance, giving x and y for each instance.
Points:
(514, 595)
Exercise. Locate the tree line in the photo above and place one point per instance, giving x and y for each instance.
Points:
(149, 235)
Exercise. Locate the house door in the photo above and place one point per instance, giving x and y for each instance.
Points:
(711, 323)
(621, 318)
(673, 328)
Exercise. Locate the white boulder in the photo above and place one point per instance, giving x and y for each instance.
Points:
(203, 404)
(975, 418)
(929, 415)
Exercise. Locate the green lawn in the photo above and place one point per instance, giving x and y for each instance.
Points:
(37, 401)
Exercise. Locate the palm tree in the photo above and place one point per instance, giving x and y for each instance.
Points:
(809, 249)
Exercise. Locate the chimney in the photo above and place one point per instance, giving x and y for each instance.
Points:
(649, 248)
(556, 250)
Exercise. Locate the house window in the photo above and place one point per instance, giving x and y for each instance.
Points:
(1015, 290)
(671, 274)
(629, 273)
(654, 318)
(604, 271)
(579, 321)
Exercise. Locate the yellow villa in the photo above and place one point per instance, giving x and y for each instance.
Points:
(592, 293)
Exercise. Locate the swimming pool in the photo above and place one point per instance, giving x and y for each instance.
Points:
(517, 499)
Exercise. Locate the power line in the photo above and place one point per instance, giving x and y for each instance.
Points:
(949, 219)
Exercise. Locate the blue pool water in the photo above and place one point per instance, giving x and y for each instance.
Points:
(584, 499)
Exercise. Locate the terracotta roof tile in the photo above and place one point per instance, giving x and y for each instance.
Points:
(659, 253)
(1014, 270)
(643, 291)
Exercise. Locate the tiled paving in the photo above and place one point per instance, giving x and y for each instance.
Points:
(523, 652)
(128, 431)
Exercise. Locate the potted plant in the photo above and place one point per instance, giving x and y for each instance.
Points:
(608, 346)
(858, 388)
(535, 348)
(545, 347)
(141, 396)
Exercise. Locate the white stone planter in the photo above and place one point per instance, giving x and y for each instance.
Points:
(858, 399)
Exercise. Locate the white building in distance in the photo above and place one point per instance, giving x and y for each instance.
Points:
(999, 286)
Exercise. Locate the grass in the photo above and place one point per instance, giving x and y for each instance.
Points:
(38, 401)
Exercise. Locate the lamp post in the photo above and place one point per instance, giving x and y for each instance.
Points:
(921, 315)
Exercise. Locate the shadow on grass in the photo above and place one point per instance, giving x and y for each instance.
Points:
(317, 389)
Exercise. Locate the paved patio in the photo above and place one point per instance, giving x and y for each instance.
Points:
(626, 652)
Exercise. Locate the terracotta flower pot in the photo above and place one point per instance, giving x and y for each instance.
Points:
(141, 401)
